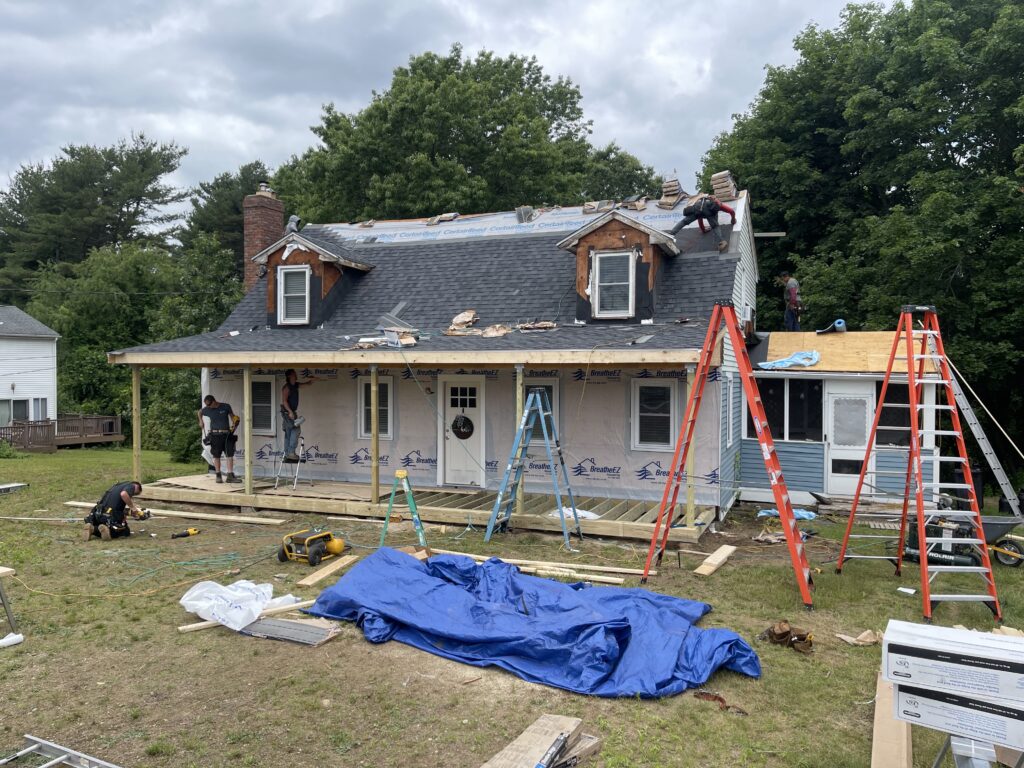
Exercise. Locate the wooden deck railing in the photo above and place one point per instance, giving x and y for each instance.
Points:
(67, 429)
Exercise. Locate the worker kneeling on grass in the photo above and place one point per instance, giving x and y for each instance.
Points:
(108, 519)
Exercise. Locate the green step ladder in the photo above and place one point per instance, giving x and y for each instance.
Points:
(402, 481)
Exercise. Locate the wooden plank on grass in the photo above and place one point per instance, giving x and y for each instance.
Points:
(327, 570)
(715, 561)
(269, 612)
(6, 571)
(529, 747)
(890, 741)
(193, 515)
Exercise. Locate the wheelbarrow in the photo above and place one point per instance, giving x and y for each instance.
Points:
(1007, 548)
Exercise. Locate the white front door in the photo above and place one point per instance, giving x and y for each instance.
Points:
(462, 431)
(849, 413)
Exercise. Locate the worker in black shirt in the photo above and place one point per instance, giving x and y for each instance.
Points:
(108, 519)
(221, 436)
(290, 420)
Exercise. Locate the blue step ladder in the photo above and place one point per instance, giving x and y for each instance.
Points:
(538, 408)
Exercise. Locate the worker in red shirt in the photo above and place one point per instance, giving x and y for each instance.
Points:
(705, 209)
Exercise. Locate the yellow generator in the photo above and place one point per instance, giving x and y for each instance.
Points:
(312, 545)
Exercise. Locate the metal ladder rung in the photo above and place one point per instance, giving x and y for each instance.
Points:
(957, 569)
(890, 558)
(941, 484)
(920, 356)
(876, 536)
(952, 540)
(962, 598)
(951, 432)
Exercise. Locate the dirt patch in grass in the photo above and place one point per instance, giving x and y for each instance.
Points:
(104, 670)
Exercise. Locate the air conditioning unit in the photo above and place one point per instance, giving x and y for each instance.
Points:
(749, 320)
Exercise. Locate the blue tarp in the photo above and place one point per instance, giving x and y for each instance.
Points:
(811, 357)
(606, 641)
(799, 514)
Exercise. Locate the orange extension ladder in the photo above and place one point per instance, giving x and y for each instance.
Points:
(924, 345)
(724, 311)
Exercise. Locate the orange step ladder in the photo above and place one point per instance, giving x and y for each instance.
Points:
(926, 363)
(725, 312)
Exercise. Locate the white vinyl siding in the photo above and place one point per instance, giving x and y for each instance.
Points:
(264, 414)
(292, 295)
(654, 414)
(614, 284)
(28, 371)
(383, 407)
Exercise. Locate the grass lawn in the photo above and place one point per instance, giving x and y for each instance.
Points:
(103, 669)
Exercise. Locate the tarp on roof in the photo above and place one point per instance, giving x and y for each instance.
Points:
(605, 641)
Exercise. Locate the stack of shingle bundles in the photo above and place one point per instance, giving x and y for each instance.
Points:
(723, 186)
(671, 193)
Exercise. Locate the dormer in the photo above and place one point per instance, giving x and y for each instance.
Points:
(617, 260)
(306, 278)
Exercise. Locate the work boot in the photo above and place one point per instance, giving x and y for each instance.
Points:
(292, 458)
(723, 246)
(233, 479)
(104, 532)
(219, 478)
(87, 533)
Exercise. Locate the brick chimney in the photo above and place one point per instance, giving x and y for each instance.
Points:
(263, 225)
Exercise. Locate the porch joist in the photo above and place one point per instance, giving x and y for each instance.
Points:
(538, 521)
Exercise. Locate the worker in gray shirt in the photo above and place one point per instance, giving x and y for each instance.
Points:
(791, 300)
(221, 437)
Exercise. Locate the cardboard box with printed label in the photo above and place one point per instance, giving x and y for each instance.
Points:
(987, 720)
(958, 661)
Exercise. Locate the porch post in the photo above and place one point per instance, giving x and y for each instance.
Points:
(374, 436)
(136, 423)
(247, 427)
(691, 379)
(520, 404)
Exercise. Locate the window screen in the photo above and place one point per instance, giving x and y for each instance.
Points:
(654, 415)
(895, 395)
(262, 406)
(20, 410)
(773, 397)
(805, 409)
(383, 408)
(614, 283)
(5, 412)
(294, 295)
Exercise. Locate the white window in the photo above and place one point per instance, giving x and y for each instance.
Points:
(39, 410)
(292, 295)
(383, 407)
(264, 414)
(729, 384)
(654, 415)
(613, 284)
(550, 386)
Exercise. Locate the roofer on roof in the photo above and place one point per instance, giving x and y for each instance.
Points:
(705, 209)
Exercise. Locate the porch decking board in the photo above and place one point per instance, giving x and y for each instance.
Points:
(633, 511)
(472, 502)
(432, 513)
(603, 506)
(616, 511)
(425, 498)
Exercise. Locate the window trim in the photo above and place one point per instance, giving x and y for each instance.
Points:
(555, 413)
(361, 383)
(729, 384)
(634, 414)
(281, 271)
(272, 430)
(596, 298)
(40, 409)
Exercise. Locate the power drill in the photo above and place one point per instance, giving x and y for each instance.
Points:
(187, 532)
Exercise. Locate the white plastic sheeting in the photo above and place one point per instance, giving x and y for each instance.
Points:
(236, 605)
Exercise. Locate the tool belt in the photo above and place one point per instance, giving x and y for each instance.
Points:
(220, 431)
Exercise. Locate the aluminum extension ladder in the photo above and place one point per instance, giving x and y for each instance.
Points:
(537, 408)
(725, 312)
(979, 434)
(934, 561)
(57, 755)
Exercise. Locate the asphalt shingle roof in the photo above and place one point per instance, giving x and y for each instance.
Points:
(15, 322)
(506, 279)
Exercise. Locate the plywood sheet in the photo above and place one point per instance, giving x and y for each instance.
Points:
(890, 742)
(850, 352)
(203, 483)
(529, 747)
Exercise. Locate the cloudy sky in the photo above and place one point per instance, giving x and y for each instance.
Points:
(237, 80)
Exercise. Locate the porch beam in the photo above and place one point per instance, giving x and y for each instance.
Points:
(374, 436)
(136, 423)
(247, 427)
(520, 405)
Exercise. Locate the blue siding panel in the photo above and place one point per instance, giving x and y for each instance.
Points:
(803, 465)
(729, 468)
(896, 461)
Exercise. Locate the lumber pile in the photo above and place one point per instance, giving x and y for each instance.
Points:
(581, 571)
(332, 567)
(723, 186)
(268, 612)
(552, 740)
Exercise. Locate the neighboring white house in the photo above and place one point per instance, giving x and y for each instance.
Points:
(28, 368)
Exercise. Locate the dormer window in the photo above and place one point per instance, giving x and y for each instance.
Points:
(293, 295)
(614, 277)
